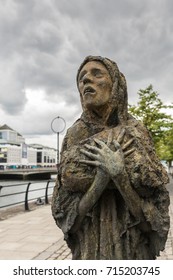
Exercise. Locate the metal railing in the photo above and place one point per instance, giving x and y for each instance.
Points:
(45, 189)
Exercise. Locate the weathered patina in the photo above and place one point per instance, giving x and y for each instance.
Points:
(110, 199)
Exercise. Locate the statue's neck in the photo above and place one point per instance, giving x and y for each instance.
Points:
(102, 116)
(100, 113)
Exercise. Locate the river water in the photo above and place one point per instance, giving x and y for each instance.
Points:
(18, 189)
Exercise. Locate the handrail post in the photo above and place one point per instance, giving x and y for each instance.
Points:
(26, 197)
(46, 192)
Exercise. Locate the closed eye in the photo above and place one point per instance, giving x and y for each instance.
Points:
(97, 72)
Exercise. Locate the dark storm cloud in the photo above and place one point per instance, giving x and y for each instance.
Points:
(42, 44)
(135, 33)
(31, 43)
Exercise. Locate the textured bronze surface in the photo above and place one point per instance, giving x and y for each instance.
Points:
(110, 199)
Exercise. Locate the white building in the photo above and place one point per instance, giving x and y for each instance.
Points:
(46, 156)
(14, 153)
(8, 135)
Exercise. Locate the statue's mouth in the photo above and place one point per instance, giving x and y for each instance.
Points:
(89, 90)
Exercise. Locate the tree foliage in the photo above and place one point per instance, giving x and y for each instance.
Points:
(152, 112)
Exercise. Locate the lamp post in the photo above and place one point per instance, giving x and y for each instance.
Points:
(58, 125)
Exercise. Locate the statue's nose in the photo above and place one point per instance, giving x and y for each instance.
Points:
(87, 78)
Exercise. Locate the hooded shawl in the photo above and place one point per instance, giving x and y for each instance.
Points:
(109, 230)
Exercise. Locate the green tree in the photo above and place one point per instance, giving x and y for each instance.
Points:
(151, 111)
(164, 147)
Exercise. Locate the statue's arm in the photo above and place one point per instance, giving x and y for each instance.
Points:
(91, 196)
(148, 214)
(129, 195)
(113, 164)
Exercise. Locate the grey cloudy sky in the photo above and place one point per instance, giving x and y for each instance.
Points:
(42, 44)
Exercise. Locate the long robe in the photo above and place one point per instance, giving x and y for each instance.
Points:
(109, 230)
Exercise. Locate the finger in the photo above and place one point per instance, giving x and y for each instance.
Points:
(129, 152)
(88, 154)
(109, 140)
(127, 144)
(116, 144)
(92, 148)
(121, 136)
(101, 143)
(90, 162)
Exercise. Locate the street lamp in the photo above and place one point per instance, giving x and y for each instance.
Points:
(58, 125)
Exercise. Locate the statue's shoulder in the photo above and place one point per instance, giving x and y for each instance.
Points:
(137, 127)
(76, 133)
(134, 122)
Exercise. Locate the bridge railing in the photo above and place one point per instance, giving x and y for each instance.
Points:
(23, 193)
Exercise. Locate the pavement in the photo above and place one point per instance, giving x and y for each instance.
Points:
(33, 235)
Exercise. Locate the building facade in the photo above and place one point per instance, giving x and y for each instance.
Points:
(15, 153)
(46, 156)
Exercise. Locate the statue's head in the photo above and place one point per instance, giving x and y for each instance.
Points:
(95, 84)
(101, 85)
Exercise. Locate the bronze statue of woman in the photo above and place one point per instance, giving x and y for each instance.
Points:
(110, 199)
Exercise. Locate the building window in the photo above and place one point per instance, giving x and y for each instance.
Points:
(39, 157)
(44, 159)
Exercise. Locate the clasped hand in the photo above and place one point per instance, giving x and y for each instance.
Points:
(101, 156)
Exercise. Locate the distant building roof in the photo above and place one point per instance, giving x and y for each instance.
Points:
(40, 146)
(6, 127)
(36, 146)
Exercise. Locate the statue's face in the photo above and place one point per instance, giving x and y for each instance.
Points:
(95, 84)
